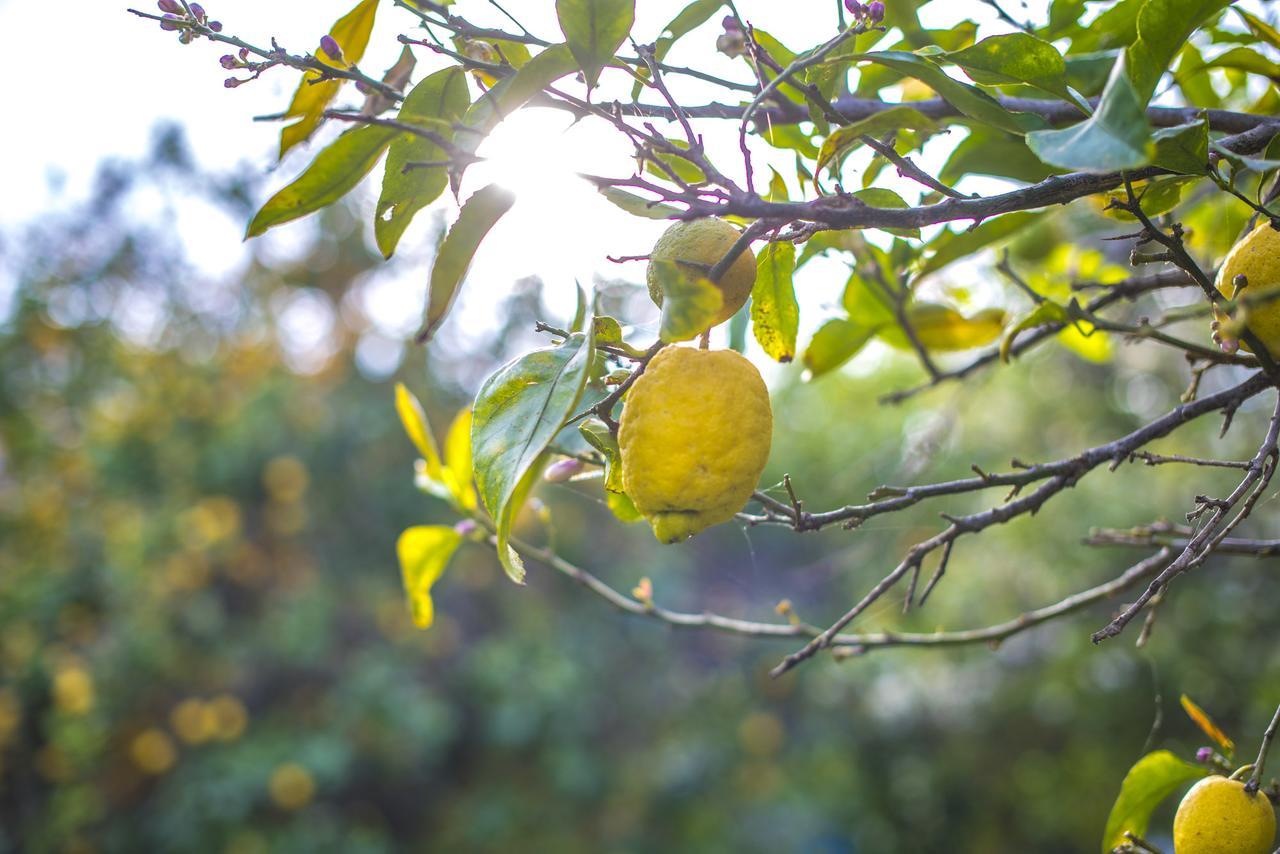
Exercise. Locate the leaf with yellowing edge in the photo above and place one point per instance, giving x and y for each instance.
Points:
(424, 552)
(351, 32)
(1201, 719)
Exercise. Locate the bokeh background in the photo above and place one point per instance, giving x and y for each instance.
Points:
(204, 644)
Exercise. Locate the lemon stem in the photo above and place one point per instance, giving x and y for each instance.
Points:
(1255, 780)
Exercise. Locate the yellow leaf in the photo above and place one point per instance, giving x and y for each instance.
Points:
(941, 328)
(351, 32)
(1088, 343)
(457, 458)
(1207, 726)
(415, 424)
(424, 552)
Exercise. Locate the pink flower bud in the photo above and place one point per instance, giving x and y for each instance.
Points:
(730, 24)
(228, 61)
(1204, 754)
(171, 22)
(198, 11)
(875, 11)
(244, 54)
(216, 26)
(855, 8)
(465, 528)
(171, 6)
(563, 470)
(232, 82)
(329, 45)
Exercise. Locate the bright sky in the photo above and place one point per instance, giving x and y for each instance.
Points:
(76, 113)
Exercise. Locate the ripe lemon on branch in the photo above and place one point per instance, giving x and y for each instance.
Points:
(1257, 258)
(697, 245)
(694, 437)
(1219, 815)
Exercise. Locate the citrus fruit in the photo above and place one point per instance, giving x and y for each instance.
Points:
(697, 245)
(1257, 258)
(694, 437)
(1218, 816)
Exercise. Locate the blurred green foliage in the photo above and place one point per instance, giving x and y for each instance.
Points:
(204, 644)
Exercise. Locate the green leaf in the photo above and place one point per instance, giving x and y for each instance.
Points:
(836, 342)
(1015, 58)
(622, 507)
(1183, 148)
(866, 302)
(442, 97)
(775, 315)
(334, 172)
(951, 246)
(1157, 197)
(594, 30)
(1062, 14)
(424, 552)
(351, 32)
(689, 304)
(1153, 778)
(1116, 136)
(791, 137)
(485, 207)
(1088, 73)
(777, 188)
(517, 413)
(987, 151)
(603, 440)
(690, 18)
(1045, 312)
(879, 197)
(844, 140)
(637, 205)
(684, 169)
(512, 93)
(1244, 59)
(970, 100)
(1163, 26)
(825, 241)
(1115, 27)
(1260, 28)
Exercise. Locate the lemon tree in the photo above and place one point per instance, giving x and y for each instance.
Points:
(894, 198)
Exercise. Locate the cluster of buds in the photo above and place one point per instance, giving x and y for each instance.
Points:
(240, 61)
(185, 17)
(872, 12)
(733, 41)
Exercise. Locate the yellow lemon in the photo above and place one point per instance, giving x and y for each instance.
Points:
(694, 437)
(1257, 258)
(1218, 816)
(698, 244)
